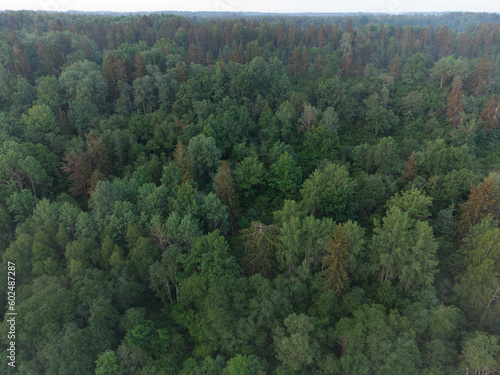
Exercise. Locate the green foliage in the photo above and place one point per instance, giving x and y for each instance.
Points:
(285, 176)
(296, 347)
(404, 251)
(214, 214)
(439, 353)
(80, 255)
(245, 365)
(373, 341)
(412, 202)
(377, 116)
(86, 90)
(478, 283)
(143, 255)
(5, 228)
(329, 192)
(336, 262)
(204, 154)
(371, 190)
(48, 306)
(21, 205)
(210, 161)
(107, 364)
(210, 256)
(321, 143)
(40, 119)
(440, 159)
(249, 177)
(48, 93)
(21, 168)
(480, 353)
(302, 241)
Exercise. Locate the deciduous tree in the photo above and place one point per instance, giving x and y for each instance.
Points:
(328, 192)
(480, 354)
(297, 348)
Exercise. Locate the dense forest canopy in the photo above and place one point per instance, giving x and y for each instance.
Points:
(251, 194)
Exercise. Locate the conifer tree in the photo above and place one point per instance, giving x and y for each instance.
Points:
(409, 171)
(183, 162)
(181, 73)
(335, 263)
(454, 105)
(484, 199)
(139, 65)
(304, 61)
(224, 188)
(318, 65)
(77, 165)
(478, 83)
(490, 115)
(294, 62)
(109, 67)
(119, 71)
(394, 66)
(97, 153)
(259, 242)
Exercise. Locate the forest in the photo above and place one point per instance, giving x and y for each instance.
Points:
(216, 195)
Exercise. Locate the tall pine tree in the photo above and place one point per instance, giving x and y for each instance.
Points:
(335, 263)
(454, 105)
(484, 199)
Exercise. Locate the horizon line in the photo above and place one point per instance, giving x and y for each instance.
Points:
(249, 11)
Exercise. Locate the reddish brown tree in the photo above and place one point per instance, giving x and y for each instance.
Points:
(294, 62)
(395, 66)
(224, 188)
(21, 64)
(43, 52)
(77, 165)
(321, 36)
(427, 35)
(191, 54)
(490, 115)
(304, 61)
(139, 66)
(183, 162)
(119, 71)
(108, 71)
(442, 41)
(97, 153)
(280, 36)
(484, 200)
(478, 82)
(347, 63)
(454, 105)
(238, 55)
(109, 74)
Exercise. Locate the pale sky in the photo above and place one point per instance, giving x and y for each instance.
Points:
(280, 6)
